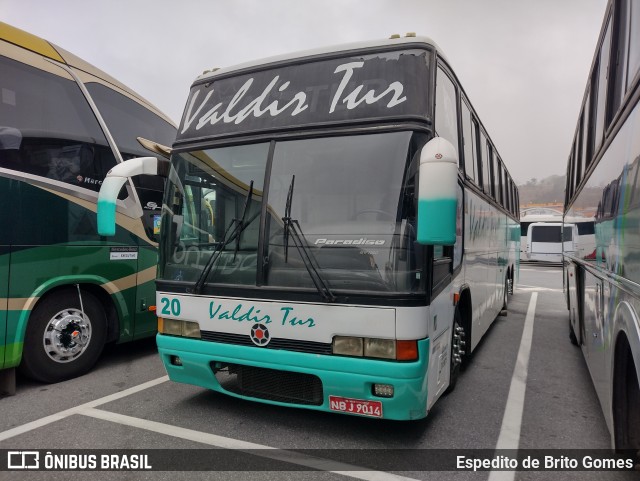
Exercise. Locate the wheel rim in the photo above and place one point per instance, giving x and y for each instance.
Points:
(505, 297)
(457, 345)
(67, 335)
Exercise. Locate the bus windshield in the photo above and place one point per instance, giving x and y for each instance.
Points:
(352, 202)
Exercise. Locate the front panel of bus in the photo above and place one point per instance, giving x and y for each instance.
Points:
(294, 249)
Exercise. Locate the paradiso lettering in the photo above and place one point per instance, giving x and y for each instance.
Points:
(235, 112)
(241, 313)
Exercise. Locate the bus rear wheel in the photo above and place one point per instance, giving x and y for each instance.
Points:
(626, 405)
(65, 336)
(572, 335)
(505, 296)
(457, 350)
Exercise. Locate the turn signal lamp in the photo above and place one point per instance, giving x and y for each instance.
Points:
(176, 327)
(375, 348)
(456, 298)
(406, 350)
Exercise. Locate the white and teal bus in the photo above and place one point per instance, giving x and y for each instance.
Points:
(338, 230)
(603, 290)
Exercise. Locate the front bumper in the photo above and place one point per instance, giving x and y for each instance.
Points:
(339, 376)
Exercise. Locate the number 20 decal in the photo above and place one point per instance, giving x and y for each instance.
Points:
(170, 307)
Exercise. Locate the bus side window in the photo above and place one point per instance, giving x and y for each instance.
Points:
(150, 190)
(38, 100)
(446, 111)
(477, 151)
(469, 143)
(441, 268)
(486, 170)
(498, 181)
(457, 248)
(488, 186)
(634, 43)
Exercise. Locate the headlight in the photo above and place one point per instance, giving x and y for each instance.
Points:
(376, 348)
(347, 346)
(191, 329)
(384, 348)
(176, 327)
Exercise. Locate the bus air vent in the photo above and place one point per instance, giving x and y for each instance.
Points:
(270, 384)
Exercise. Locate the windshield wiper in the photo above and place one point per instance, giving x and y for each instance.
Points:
(292, 229)
(234, 231)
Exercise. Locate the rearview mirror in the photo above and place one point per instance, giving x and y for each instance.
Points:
(114, 181)
(437, 193)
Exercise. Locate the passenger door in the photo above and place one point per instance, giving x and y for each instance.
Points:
(441, 321)
(150, 192)
(594, 341)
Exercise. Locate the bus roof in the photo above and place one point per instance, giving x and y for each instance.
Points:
(30, 42)
(408, 40)
(38, 45)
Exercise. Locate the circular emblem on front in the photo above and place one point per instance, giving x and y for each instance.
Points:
(260, 335)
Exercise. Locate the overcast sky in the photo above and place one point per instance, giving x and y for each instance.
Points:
(523, 63)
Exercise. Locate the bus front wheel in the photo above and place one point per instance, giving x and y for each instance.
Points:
(65, 336)
(457, 350)
(505, 296)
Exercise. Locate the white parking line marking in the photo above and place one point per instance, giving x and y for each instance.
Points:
(527, 288)
(70, 412)
(540, 270)
(230, 443)
(512, 420)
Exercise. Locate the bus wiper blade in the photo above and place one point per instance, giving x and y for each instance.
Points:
(287, 218)
(234, 230)
(292, 229)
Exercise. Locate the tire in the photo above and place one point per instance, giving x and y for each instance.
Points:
(505, 296)
(51, 357)
(572, 334)
(457, 345)
(626, 408)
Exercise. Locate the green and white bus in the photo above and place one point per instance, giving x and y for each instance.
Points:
(338, 230)
(64, 290)
(603, 290)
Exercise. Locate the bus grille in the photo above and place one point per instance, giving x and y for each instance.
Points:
(270, 384)
(309, 347)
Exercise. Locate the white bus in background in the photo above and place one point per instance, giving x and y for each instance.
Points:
(586, 244)
(528, 217)
(548, 241)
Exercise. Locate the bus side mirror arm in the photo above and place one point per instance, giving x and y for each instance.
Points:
(114, 181)
(437, 193)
